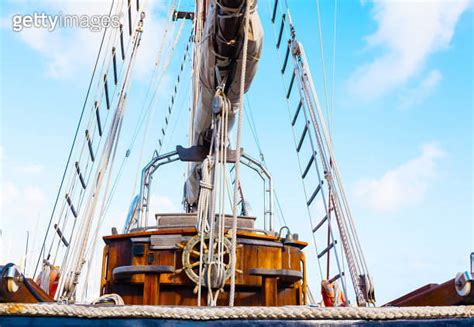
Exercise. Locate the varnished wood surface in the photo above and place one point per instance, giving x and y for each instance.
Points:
(177, 289)
(434, 295)
(24, 294)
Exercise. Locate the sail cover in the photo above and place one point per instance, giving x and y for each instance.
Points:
(221, 48)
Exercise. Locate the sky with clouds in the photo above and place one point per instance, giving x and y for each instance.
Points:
(401, 126)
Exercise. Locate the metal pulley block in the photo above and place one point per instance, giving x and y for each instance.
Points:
(367, 288)
(463, 283)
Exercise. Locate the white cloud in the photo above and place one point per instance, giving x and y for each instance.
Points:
(402, 186)
(417, 95)
(66, 51)
(408, 33)
(71, 51)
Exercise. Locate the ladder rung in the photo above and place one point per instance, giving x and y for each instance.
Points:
(129, 18)
(114, 60)
(89, 145)
(281, 30)
(71, 206)
(318, 226)
(274, 11)
(121, 42)
(81, 179)
(326, 250)
(106, 88)
(97, 116)
(316, 191)
(61, 235)
(303, 135)
(291, 85)
(332, 280)
(287, 55)
(308, 166)
(295, 117)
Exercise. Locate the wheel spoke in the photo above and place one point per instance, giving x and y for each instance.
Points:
(194, 264)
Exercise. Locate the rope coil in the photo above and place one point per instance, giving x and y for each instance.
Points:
(212, 313)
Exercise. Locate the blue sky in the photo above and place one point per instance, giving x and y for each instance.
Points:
(401, 127)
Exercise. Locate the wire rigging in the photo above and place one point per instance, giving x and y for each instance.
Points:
(323, 65)
(253, 130)
(73, 143)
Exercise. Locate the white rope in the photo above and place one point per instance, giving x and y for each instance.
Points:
(92, 127)
(106, 298)
(300, 168)
(202, 211)
(254, 313)
(151, 109)
(74, 264)
(233, 255)
(153, 85)
(253, 129)
(323, 65)
(331, 120)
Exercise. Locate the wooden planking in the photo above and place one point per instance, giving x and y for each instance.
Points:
(269, 291)
(268, 257)
(251, 261)
(151, 289)
(177, 289)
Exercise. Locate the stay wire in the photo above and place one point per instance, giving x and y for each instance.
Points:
(71, 150)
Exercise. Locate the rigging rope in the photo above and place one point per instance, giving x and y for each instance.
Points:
(73, 143)
(73, 178)
(168, 113)
(323, 65)
(253, 129)
(331, 121)
(73, 267)
(150, 111)
(233, 256)
(287, 101)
